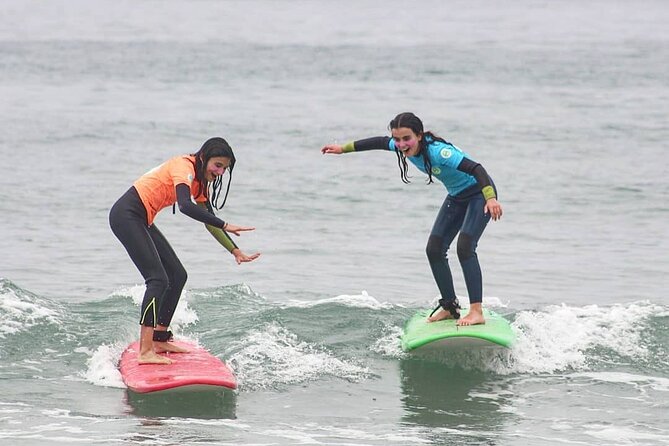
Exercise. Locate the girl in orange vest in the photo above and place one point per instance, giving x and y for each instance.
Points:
(181, 180)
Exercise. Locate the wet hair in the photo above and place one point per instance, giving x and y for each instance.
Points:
(211, 148)
(413, 122)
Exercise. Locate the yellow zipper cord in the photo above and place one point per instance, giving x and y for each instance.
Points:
(152, 304)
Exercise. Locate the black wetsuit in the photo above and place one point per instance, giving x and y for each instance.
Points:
(151, 253)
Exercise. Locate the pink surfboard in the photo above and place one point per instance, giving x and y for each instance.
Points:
(196, 369)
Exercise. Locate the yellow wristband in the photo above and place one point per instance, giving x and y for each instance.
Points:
(348, 147)
(488, 192)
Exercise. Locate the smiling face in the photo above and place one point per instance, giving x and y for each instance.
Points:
(407, 141)
(216, 167)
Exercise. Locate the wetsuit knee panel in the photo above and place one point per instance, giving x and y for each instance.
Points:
(179, 278)
(158, 282)
(466, 247)
(435, 247)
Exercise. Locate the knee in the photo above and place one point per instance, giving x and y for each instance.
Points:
(159, 282)
(435, 248)
(178, 279)
(466, 247)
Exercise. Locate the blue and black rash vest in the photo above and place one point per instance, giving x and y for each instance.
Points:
(450, 165)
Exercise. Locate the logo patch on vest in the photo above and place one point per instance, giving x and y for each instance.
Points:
(446, 153)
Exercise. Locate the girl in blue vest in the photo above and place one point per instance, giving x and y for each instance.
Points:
(469, 205)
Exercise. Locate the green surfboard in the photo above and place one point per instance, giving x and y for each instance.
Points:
(422, 335)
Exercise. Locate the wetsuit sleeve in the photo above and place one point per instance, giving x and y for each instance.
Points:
(219, 234)
(374, 143)
(482, 178)
(187, 207)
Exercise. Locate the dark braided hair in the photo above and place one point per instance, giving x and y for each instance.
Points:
(413, 122)
(211, 148)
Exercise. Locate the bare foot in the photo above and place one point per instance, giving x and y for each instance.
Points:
(473, 318)
(161, 347)
(152, 358)
(440, 315)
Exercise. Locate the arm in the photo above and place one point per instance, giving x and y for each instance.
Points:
(477, 171)
(374, 143)
(187, 207)
(219, 234)
(483, 179)
(224, 239)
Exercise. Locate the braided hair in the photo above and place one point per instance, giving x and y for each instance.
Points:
(211, 148)
(413, 122)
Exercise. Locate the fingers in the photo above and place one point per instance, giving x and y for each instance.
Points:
(331, 149)
(494, 210)
(497, 213)
(237, 229)
(243, 258)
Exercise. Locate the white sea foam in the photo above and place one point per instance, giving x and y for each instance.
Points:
(102, 367)
(20, 312)
(273, 356)
(183, 314)
(135, 292)
(559, 337)
(389, 343)
(362, 300)
(489, 302)
(608, 434)
(658, 384)
(313, 433)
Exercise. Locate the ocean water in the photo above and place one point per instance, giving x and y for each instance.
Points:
(564, 103)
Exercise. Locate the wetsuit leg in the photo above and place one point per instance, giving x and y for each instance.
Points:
(127, 219)
(446, 226)
(475, 221)
(175, 272)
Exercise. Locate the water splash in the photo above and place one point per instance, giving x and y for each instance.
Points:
(183, 314)
(101, 367)
(20, 310)
(556, 339)
(362, 300)
(563, 337)
(389, 344)
(274, 356)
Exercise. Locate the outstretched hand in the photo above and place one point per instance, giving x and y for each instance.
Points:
(494, 208)
(240, 257)
(237, 229)
(333, 148)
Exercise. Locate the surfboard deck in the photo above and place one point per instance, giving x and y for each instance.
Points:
(423, 335)
(195, 370)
